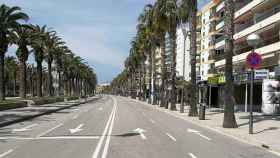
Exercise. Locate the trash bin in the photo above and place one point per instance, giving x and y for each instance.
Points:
(202, 108)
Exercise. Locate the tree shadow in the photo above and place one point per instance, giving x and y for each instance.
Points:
(259, 118)
(267, 129)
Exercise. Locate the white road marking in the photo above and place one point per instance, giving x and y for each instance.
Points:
(27, 128)
(100, 109)
(106, 147)
(49, 138)
(6, 153)
(141, 133)
(152, 121)
(192, 155)
(69, 137)
(198, 133)
(48, 131)
(75, 117)
(203, 136)
(171, 137)
(77, 129)
(98, 147)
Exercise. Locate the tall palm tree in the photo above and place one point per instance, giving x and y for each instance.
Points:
(10, 17)
(188, 13)
(52, 46)
(146, 33)
(39, 46)
(161, 25)
(23, 37)
(229, 117)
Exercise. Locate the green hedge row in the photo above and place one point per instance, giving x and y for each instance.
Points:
(47, 100)
(72, 98)
(12, 104)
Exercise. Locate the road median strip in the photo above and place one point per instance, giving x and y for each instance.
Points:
(24, 118)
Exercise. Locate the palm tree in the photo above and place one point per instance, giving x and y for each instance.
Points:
(229, 117)
(52, 46)
(38, 45)
(10, 17)
(161, 25)
(23, 37)
(188, 12)
(146, 33)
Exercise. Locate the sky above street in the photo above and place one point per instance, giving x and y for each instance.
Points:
(98, 31)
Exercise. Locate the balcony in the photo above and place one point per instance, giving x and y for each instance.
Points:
(263, 21)
(241, 57)
(220, 42)
(246, 6)
(220, 6)
(220, 25)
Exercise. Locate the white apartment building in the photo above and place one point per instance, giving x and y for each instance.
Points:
(206, 43)
(183, 52)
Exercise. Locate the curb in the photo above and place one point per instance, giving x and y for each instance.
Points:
(24, 118)
(240, 138)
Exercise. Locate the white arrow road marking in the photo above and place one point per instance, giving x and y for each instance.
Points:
(6, 153)
(198, 133)
(27, 128)
(77, 129)
(48, 131)
(141, 132)
(98, 147)
(171, 137)
(192, 155)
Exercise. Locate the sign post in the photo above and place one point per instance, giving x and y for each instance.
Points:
(253, 61)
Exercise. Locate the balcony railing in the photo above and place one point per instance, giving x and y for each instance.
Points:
(241, 4)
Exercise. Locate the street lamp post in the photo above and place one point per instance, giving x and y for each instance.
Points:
(184, 55)
(252, 40)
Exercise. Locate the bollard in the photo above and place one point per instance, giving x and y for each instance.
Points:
(202, 109)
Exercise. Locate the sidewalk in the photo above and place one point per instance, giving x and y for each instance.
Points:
(266, 128)
(11, 116)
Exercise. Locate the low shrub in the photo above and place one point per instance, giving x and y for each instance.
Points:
(47, 100)
(12, 104)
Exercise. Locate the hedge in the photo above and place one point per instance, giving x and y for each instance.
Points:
(12, 104)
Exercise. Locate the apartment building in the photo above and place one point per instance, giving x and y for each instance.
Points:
(183, 53)
(251, 16)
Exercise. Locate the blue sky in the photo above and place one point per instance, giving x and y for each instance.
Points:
(97, 30)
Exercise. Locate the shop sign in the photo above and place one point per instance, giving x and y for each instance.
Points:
(241, 77)
(213, 80)
(222, 79)
(261, 74)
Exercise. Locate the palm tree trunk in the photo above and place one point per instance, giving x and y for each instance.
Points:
(193, 90)
(173, 70)
(14, 84)
(229, 117)
(59, 83)
(39, 79)
(163, 73)
(150, 78)
(50, 81)
(22, 86)
(2, 73)
(154, 79)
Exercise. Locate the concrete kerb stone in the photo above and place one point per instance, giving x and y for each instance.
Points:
(24, 118)
(236, 136)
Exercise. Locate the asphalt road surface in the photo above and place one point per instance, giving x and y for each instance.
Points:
(118, 127)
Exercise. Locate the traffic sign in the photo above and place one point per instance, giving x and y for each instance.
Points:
(253, 60)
